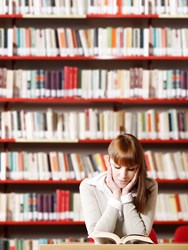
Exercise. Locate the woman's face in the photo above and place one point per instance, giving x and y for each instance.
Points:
(122, 175)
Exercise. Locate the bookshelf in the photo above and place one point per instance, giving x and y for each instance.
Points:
(99, 61)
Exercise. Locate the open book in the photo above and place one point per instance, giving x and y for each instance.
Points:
(115, 239)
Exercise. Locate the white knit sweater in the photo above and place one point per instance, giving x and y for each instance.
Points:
(104, 213)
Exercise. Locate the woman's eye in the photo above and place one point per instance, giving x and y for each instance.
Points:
(117, 167)
(131, 169)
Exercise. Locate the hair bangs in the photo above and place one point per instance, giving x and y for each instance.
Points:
(127, 159)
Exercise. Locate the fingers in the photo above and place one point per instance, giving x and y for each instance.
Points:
(136, 175)
(134, 179)
(131, 184)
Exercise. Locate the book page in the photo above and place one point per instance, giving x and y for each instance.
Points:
(108, 235)
(136, 239)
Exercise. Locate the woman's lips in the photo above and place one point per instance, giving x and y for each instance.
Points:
(122, 182)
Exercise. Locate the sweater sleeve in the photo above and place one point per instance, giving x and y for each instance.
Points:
(95, 220)
(139, 223)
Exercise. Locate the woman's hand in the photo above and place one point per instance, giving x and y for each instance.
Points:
(131, 184)
(116, 191)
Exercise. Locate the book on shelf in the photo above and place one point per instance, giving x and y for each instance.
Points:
(129, 239)
(59, 165)
(171, 207)
(135, 82)
(59, 205)
(157, 42)
(81, 8)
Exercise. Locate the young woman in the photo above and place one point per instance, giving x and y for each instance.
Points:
(121, 200)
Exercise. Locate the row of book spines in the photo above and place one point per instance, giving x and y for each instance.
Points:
(92, 7)
(168, 165)
(71, 82)
(94, 124)
(172, 206)
(37, 7)
(33, 244)
(60, 205)
(62, 166)
(47, 166)
(137, 7)
(95, 41)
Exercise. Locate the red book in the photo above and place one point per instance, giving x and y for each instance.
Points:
(119, 5)
(178, 205)
(75, 45)
(66, 205)
(71, 83)
(58, 204)
(68, 81)
(75, 81)
(66, 165)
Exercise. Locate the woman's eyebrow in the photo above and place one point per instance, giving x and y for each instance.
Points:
(116, 165)
(133, 167)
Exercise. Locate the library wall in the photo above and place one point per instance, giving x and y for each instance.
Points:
(56, 105)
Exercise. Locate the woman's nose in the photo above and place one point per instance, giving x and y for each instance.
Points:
(123, 172)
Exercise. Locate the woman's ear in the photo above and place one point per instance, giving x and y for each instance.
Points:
(107, 160)
(106, 157)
